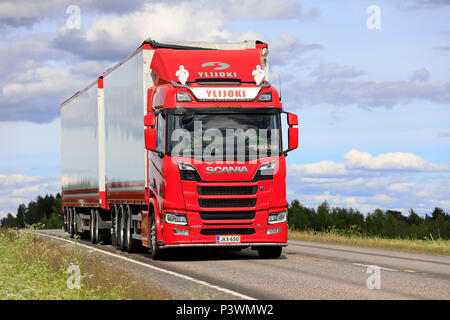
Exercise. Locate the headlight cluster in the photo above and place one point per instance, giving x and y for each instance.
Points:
(176, 218)
(266, 171)
(277, 217)
(188, 172)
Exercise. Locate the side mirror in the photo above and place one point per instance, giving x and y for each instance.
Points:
(150, 120)
(150, 139)
(293, 138)
(150, 133)
(292, 119)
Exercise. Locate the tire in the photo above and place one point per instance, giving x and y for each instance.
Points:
(130, 243)
(92, 228)
(272, 252)
(153, 249)
(66, 216)
(100, 235)
(70, 216)
(121, 229)
(114, 226)
(74, 221)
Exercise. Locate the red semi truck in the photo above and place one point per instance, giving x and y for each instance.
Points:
(179, 145)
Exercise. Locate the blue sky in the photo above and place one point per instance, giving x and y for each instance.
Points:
(374, 104)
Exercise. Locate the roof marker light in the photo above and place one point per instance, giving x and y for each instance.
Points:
(258, 74)
(182, 74)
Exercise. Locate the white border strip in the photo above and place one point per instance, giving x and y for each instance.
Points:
(179, 275)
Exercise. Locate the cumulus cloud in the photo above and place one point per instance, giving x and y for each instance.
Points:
(18, 188)
(403, 161)
(17, 13)
(285, 48)
(367, 93)
(442, 48)
(425, 4)
(35, 94)
(195, 21)
(335, 71)
(421, 74)
(362, 181)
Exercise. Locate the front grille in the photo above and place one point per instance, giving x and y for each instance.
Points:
(226, 231)
(227, 215)
(226, 203)
(227, 190)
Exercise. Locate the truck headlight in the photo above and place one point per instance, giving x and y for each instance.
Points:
(183, 97)
(277, 217)
(188, 172)
(266, 171)
(176, 218)
(265, 97)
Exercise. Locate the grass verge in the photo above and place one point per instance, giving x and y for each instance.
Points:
(34, 268)
(438, 246)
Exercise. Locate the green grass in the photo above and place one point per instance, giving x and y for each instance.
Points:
(35, 268)
(437, 246)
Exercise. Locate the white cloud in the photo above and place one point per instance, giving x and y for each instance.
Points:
(403, 161)
(18, 188)
(363, 181)
(367, 93)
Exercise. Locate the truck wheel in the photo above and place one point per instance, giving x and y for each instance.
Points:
(130, 243)
(114, 226)
(154, 251)
(270, 252)
(121, 229)
(92, 227)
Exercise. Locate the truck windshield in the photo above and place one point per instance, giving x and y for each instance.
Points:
(220, 137)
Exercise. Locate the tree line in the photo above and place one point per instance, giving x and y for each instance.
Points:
(379, 223)
(387, 224)
(44, 210)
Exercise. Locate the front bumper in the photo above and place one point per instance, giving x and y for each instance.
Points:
(197, 239)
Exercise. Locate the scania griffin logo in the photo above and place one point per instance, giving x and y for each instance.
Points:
(211, 170)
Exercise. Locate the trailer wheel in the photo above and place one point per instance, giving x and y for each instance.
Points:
(100, 235)
(65, 221)
(92, 228)
(270, 252)
(74, 221)
(70, 222)
(153, 249)
(114, 226)
(130, 243)
(121, 229)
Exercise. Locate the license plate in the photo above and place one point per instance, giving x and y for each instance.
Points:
(228, 239)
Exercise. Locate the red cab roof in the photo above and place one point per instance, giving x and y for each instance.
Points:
(206, 64)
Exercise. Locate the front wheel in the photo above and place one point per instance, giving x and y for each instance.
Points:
(154, 251)
(269, 252)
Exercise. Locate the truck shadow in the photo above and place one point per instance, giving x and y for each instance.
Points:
(210, 254)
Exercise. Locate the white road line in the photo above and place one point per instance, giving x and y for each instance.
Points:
(179, 275)
(367, 265)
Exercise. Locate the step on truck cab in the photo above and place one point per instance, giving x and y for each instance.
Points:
(179, 145)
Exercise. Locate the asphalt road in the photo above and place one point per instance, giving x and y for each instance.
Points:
(306, 270)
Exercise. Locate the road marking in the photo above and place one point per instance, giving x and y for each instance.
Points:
(367, 265)
(179, 275)
(407, 270)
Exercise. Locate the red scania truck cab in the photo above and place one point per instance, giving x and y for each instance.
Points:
(179, 145)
